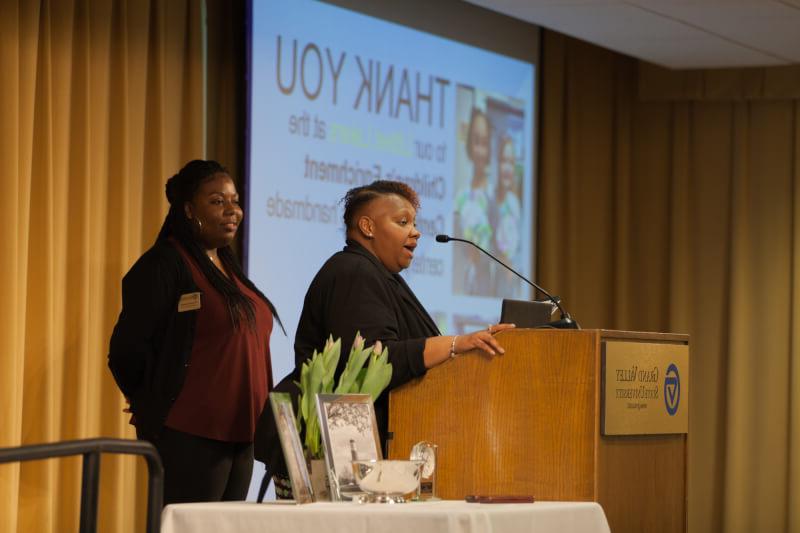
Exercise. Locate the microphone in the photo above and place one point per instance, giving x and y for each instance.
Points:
(565, 322)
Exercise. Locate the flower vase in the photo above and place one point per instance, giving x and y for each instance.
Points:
(319, 480)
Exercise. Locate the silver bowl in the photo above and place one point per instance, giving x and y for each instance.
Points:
(388, 480)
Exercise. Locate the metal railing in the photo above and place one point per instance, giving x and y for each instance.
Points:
(91, 450)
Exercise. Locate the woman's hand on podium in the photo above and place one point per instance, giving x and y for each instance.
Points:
(482, 340)
(441, 348)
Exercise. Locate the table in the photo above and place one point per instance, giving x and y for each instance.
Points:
(417, 517)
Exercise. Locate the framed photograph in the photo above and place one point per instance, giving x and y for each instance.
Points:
(281, 403)
(349, 432)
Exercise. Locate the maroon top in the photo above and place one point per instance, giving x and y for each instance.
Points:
(228, 372)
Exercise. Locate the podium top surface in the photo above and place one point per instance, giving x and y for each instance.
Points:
(643, 335)
(605, 334)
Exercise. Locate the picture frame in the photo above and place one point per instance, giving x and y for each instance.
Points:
(349, 431)
(286, 422)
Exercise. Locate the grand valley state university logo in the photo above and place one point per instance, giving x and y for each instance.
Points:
(672, 389)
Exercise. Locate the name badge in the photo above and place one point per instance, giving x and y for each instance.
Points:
(189, 302)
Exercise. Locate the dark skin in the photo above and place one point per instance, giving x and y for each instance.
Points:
(479, 148)
(215, 215)
(386, 227)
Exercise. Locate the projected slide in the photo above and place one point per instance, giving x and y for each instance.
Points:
(339, 99)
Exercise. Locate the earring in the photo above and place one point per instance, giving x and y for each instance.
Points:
(199, 224)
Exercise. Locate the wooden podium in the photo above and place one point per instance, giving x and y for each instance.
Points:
(531, 422)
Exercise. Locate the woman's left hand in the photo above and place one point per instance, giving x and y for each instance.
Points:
(482, 340)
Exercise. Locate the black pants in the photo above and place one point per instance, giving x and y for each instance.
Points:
(197, 469)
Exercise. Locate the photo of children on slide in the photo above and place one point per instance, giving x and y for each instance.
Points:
(488, 174)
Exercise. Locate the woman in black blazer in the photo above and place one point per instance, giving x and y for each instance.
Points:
(360, 289)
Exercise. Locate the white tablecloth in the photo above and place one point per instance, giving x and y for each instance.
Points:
(422, 517)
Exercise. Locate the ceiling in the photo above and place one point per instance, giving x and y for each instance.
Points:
(679, 34)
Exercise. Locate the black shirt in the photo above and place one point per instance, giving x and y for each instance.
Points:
(354, 292)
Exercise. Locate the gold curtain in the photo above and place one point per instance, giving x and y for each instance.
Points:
(670, 201)
(100, 102)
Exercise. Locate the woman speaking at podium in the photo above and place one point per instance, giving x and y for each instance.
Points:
(359, 289)
(190, 350)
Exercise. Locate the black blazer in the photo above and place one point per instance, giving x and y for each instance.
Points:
(152, 341)
(354, 292)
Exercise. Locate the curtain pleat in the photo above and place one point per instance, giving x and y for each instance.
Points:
(669, 203)
(13, 209)
(102, 101)
(226, 83)
(793, 418)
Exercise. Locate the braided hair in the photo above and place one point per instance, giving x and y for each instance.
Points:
(180, 189)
